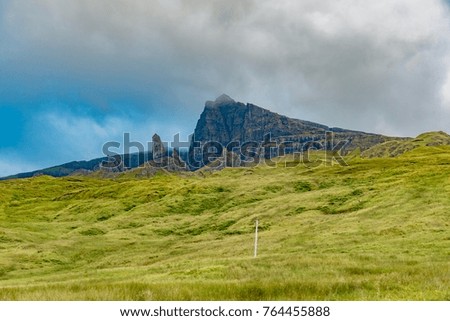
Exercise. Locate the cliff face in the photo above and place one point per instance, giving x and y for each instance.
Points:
(225, 120)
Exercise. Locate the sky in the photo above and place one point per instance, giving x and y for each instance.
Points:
(76, 74)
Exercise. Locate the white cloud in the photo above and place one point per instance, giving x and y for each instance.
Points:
(75, 137)
(445, 90)
(60, 136)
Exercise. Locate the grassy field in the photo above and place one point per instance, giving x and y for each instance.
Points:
(377, 229)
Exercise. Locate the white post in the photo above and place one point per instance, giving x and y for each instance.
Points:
(256, 239)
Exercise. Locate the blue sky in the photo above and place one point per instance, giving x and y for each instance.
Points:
(75, 74)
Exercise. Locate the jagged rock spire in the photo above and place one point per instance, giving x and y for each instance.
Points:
(158, 148)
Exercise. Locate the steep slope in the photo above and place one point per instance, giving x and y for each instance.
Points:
(225, 120)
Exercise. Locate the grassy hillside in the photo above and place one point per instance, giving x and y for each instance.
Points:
(395, 148)
(375, 230)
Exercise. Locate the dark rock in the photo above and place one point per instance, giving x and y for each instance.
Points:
(158, 149)
(225, 121)
(177, 161)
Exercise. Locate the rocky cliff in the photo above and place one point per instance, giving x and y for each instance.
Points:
(225, 120)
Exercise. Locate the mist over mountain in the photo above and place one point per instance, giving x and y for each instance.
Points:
(226, 121)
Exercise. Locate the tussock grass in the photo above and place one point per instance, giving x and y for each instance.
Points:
(375, 230)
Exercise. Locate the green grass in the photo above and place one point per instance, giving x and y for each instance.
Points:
(377, 229)
(393, 148)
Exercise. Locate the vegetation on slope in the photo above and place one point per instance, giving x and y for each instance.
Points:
(393, 148)
(377, 229)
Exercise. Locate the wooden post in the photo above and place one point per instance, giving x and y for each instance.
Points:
(256, 239)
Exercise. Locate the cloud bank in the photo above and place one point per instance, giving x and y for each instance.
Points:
(376, 66)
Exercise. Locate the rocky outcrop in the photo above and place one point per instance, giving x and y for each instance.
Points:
(158, 149)
(225, 120)
(162, 159)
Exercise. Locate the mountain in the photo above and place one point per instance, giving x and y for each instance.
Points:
(159, 157)
(84, 167)
(375, 230)
(225, 120)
